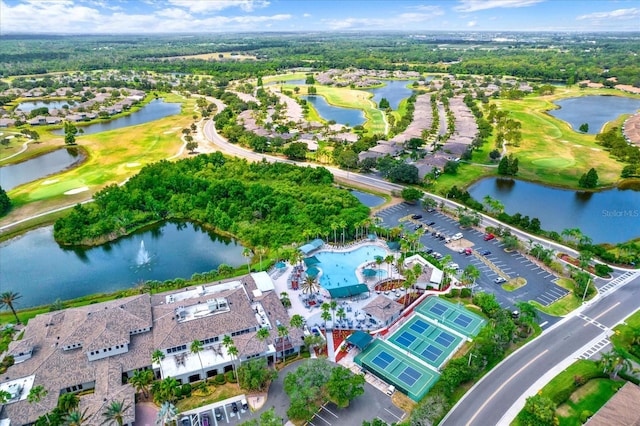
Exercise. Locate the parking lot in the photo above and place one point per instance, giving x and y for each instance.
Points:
(228, 412)
(359, 409)
(488, 257)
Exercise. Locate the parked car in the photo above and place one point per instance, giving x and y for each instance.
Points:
(499, 280)
(436, 255)
(416, 216)
(244, 404)
(430, 210)
(489, 237)
(452, 265)
(468, 251)
(485, 252)
(415, 228)
(205, 419)
(428, 250)
(234, 406)
(218, 412)
(185, 421)
(431, 223)
(457, 236)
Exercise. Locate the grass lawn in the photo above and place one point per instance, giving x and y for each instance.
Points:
(213, 393)
(112, 157)
(624, 334)
(514, 284)
(284, 77)
(590, 397)
(552, 152)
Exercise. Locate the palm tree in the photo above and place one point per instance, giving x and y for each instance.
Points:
(326, 316)
(389, 261)
(263, 334)
(343, 225)
(310, 285)
(233, 353)
(68, 402)
(167, 413)
(115, 412)
(297, 321)
(341, 314)
(156, 357)
(141, 380)
(614, 362)
(195, 348)
(6, 300)
(247, 253)
(35, 396)
(283, 332)
(76, 418)
(334, 227)
(227, 341)
(261, 251)
(333, 305)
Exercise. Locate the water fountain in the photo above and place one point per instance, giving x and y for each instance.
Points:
(143, 255)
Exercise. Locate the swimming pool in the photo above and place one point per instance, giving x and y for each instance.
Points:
(339, 268)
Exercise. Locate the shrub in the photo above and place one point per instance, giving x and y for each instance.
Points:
(465, 293)
(584, 416)
(185, 390)
(603, 270)
(220, 379)
(231, 377)
(455, 292)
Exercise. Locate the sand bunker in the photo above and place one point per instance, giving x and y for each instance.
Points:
(76, 191)
(49, 182)
(132, 164)
(168, 132)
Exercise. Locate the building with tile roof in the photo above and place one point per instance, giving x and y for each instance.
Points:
(94, 349)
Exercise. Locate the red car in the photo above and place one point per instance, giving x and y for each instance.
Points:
(489, 237)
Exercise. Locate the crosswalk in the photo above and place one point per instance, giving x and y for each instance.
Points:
(597, 347)
(619, 280)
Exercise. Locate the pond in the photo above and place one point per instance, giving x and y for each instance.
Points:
(352, 117)
(393, 90)
(154, 110)
(29, 106)
(596, 111)
(39, 167)
(35, 266)
(367, 199)
(610, 216)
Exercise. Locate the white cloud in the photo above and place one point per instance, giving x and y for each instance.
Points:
(391, 22)
(475, 5)
(202, 6)
(306, 15)
(471, 24)
(173, 13)
(631, 13)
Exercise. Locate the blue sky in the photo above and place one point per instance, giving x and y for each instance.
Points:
(206, 16)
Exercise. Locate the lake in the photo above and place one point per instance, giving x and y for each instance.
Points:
(596, 111)
(29, 106)
(352, 117)
(35, 266)
(38, 167)
(154, 110)
(611, 216)
(393, 90)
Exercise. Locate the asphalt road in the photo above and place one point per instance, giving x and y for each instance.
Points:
(490, 402)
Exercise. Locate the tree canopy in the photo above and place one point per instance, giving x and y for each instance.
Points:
(267, 204)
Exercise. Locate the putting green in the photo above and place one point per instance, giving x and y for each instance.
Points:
(554, 162)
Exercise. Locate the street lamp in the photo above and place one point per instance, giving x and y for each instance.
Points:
(471, 354)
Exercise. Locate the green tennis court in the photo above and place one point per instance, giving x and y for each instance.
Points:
(393, 366)
(451, 315)
(427, 341)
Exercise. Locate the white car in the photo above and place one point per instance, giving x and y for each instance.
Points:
(457, 236)
(452, 265)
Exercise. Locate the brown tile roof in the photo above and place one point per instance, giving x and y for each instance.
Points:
(382, 308)
(620, 410)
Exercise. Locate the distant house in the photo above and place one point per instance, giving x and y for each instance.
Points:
(7, 122)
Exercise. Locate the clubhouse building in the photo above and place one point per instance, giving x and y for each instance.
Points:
(93, 350)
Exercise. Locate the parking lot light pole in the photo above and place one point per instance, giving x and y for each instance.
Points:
(471, 354)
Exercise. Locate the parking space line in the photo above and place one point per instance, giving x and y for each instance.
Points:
(329, 411)
(388, 411)
(324, 420)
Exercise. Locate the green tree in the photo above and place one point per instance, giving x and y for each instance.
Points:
(343, 386)
(584, 127)
(77, 418)
(311, 90)
(254, 375)
(191, 145)
(296, 151)
(166, 390)
(36, 394)
(141, 381)
(283, 334)
(70, 132)
(538, 411)
(267, 418)
(195, 348)
(589, 179)
(451, 167)
(115, 413)
(5, 202)
(68, 402)
(246, 252)
(306, 388)
(411, 195)
(156, 357)
(7, 299)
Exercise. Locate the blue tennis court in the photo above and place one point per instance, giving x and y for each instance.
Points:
(409, 376)
(445, 339)
(462, 320)
(431, 353)
(438, 309)
(419, 326)
(406, 339)
(382, 360)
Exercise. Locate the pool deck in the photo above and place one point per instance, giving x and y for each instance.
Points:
(313, 314)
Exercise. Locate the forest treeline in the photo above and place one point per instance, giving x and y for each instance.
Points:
(540, 56)
(266, 204)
